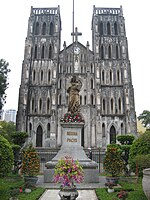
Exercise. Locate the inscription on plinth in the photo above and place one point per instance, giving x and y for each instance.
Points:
(71, 137)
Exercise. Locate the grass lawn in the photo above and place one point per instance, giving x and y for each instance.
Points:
(135, 191)
(13, 181)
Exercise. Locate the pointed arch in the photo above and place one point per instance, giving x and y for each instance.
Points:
(92, 99)
(108, 28)
(92, 84)
(40, 105)
(32, 105)
(102, 52)
(109, 51)
(41, 75)
(37, 28)
(48, 105)
(118, 76)
(103, 130)
(43, 51)
(51, 31)
(111, 105)
(49, 75)
(119, 105)
(44, 29)
(30, 129)
(48, 130)
(50, 52)
(101, 28)
(117, 52)
(104, 106)
(34, 75)
(110, 76)
(112, 135)
(35, 52)
(39, 136)
(103, 76)
(116, 28)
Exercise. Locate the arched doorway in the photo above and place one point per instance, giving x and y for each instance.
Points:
(39, 136)
(112, 135)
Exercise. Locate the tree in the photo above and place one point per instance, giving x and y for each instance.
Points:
(7, 129)
(145, 118)
(3, 81)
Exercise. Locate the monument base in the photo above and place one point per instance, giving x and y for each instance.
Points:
(90, 168)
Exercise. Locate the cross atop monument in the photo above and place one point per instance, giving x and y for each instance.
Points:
(76, 34)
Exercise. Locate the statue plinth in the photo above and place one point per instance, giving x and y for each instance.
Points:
(71, 146)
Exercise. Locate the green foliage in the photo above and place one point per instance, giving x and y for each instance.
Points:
(145, 118)
(6, 156)
(126, 139)
(113, 163)
(3, 81)
(7, 129)
(19, 137)
(141, 146)
(30, 162)
(142, 162)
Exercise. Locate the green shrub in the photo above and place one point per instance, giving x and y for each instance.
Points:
(140, 146)
(126, 139)
(19, 137)
(6, 156)
(142, 162)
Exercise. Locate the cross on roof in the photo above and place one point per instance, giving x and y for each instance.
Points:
(76, 34)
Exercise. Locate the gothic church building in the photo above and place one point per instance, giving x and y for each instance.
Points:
(104, 73)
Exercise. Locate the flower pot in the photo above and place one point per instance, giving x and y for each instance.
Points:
(146, 182)
(68, 193)
(110, 190)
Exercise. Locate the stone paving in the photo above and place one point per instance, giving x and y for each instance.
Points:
(86, 190)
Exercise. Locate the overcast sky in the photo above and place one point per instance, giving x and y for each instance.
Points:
(14, 17)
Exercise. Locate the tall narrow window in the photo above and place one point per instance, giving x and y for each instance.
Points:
(118, 76)
(92, 85)
(109, 51)
(108, 29)
(48, 130)
(92, 71)
(50, 52)
(40, 105)
(34, 75)
(111, 105)
(60, 83)
(101, 28)
(44, 29)
(32, 106)
(30, 129)
(42, 55)
(80, 100)
(117, 52)
(59, 99)
(84, 100)
(49, 75)
(104, 106)
(110, 74)
(92, 99)
(103, 76)
(122, 128)
(119, 104)
(48, 105)
(116, 28)
(37, 28)
(102, 52)
(35, 52)
(103, 130)
(41, 75)
(51, 31)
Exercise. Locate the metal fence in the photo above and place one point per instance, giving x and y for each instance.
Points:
(47, 154)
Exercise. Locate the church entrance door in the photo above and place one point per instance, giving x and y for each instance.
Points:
(112, 135)
(39, 136)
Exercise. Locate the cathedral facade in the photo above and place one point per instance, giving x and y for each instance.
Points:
(104, 74)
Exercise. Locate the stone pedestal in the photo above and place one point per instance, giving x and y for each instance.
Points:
(71, 146)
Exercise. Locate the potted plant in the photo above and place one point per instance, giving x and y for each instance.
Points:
(110, 186)
(122, 194)
(113, 163)
(67, 172)
(30, 165)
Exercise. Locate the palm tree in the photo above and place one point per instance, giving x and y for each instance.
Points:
(145, 118)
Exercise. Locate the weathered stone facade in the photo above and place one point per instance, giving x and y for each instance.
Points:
(106, 94)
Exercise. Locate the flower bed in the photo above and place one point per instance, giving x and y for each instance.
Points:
(72, 118)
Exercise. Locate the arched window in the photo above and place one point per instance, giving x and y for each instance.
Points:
(104, 106)
(118, 76)
(110, 74)
(122, 128)
(32, 105)
(48, 105)
(101, 28)
(102, 52)
(116, 28)
(49, 75)
(48, 130)
(103, 130)
(42, 54)
(35, 52)
(119, 105)
(51, 31)
(80, 100)
(108, 29)
(109, 51)
(40, 105)
(117, 52)
(92, 99)
(50, 52)
(59, 99)
(84, 100)
(30, 129)
(41, 75)
(60, 83)
(92, 71)
(103, 76)
(34, 73)
(37, 28)
(92, 84)
(112, 135)
(39, 137)
(44, 29)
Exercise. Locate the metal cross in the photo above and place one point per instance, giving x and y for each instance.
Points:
(76, 34)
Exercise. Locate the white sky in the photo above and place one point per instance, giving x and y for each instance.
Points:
(14, 17)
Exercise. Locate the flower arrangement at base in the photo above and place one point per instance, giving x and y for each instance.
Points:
(67, 171)
(30, 162)
(122, 195)
(69, 117)
(110, 184)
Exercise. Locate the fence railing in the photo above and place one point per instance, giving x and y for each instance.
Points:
(47, 154)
